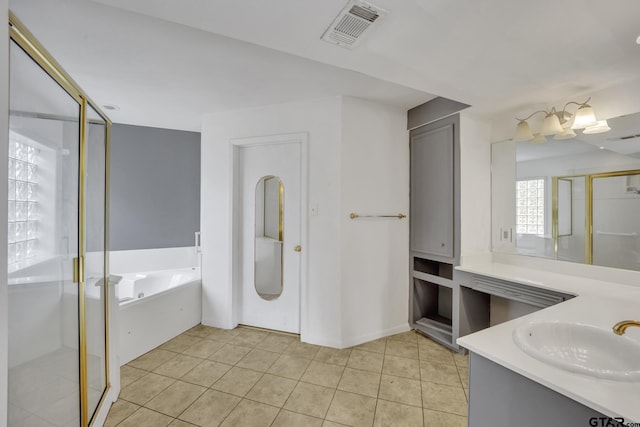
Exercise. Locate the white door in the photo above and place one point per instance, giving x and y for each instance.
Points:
(277, 309)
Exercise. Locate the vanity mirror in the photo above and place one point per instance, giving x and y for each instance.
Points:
(572, 200)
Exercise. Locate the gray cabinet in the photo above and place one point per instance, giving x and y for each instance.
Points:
(501, 397)
(435, 229)
(433, 149)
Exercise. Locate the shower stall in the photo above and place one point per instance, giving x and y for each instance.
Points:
(57, 243)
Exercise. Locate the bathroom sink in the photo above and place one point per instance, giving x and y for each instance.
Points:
(581, 348)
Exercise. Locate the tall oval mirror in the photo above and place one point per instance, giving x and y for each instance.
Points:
(269, 232)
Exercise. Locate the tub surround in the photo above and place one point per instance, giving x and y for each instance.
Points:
(598, 302)
(145, 325)
(171, 303)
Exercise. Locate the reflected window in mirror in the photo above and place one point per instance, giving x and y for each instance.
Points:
(530, 204)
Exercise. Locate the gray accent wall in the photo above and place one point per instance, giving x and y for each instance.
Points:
(155, 187)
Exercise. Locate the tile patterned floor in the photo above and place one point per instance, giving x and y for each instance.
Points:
(248, 377)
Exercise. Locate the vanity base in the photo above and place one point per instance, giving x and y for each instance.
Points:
(501, 397)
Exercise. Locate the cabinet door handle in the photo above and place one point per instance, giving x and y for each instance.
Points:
(297, 248)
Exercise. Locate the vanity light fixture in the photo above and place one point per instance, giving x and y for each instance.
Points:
(600, 127)
(558, 123)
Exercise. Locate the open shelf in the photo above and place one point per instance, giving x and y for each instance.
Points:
(432, 309)
(434, 268)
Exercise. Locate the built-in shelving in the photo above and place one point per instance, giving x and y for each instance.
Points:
(432, 311)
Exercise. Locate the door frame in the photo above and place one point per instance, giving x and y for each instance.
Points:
(301, 138)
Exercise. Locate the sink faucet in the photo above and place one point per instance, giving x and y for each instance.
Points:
(621, 327)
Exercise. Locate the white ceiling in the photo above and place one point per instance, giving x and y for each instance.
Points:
(165, 63)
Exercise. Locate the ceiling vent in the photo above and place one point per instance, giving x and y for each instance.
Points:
(355, 19)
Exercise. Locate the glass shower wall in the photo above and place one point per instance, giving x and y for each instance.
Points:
(43, 228)
(616, 229)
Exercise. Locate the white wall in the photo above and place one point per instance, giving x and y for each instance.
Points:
(321, 119)
(357, 271)
(475, 186)
(375, 253)
(4, 136)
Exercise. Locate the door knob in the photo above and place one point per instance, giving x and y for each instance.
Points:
(297, 248)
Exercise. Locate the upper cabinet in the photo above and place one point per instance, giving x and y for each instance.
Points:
(435, 190)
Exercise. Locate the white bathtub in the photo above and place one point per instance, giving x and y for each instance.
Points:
(156, 306)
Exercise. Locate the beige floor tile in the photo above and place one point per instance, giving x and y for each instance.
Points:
(289, 366)
(442, 419)
(203, 349)
(376, 346)
(323, 374)
(402, 349)
(333, 356)
(327, 423)
(250, 413)
(409, 336)
(365, 360)
(144, 417)
(292, 419)
(276, 342)
(146, 388)
(445, 398)
(439, 373)
(352, 409)
(151, 360)
(301, 349)
(230, 354)
(436, 354)
(249, 338)
(393, 414)
(120, 410)
(401, 390)
(310, 399)
(461, 359)
(129, 374)
(466, 394)
(272, 390)
(206, 373)
(238, 381)
(463, 371)
(178, 366)
(180, 343)
(426, 341)
(401, 367)
(360, 382)
(175, 398)
(210, 409)
(200, 331)
(224, 335)
(180, 423)
(258, 360)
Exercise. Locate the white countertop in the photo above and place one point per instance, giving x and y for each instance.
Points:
(597, 303)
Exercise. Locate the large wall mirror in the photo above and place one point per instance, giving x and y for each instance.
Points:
(269, 234)
(572, 200)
